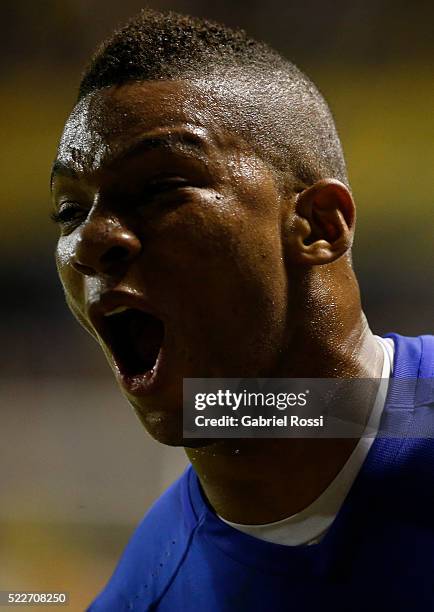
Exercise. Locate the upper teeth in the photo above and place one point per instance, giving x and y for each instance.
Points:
(116, 310)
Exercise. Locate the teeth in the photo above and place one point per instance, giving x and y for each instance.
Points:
(116, 310)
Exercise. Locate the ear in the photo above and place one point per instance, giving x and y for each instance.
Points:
(322, 228)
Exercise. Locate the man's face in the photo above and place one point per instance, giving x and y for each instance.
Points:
(170, 250)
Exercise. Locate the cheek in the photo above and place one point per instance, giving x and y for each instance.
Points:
(71, 280)
(195, 245)
(220, 261)
(210, 231)
(63, 257)
(65, 249)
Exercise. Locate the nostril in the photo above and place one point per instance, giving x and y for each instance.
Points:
(115, 254)
(101, 250)
(86, 270)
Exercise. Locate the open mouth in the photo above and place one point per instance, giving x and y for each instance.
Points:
(135, 339)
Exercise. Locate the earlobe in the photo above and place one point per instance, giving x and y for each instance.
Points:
(323, 225)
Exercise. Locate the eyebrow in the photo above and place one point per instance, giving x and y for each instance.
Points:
(182, 139)
(60, 167)
(174, 139)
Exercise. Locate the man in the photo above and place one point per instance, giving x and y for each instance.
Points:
(206, 227)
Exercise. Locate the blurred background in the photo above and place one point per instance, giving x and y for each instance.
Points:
(77, 471)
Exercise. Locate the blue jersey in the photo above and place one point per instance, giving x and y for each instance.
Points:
(378, 553)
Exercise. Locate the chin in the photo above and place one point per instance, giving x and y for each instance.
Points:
(166, 427)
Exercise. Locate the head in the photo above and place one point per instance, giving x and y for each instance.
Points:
(204, 212)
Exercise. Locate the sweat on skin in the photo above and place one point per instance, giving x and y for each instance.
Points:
(199, 231)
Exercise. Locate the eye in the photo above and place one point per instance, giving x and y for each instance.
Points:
(68, 213)
(162, 193)
(165, 184)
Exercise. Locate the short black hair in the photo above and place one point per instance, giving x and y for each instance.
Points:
(294, 127)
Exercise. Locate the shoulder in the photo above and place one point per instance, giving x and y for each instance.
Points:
(409, 405)
(414, 356)
(408, 417)
(154, 552)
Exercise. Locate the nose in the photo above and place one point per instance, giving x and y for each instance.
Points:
(105, 248)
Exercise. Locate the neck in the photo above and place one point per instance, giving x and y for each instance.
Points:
(254, 481)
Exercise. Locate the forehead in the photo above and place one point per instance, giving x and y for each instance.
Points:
(107, 121)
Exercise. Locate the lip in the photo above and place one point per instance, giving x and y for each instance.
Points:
(137, 385)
